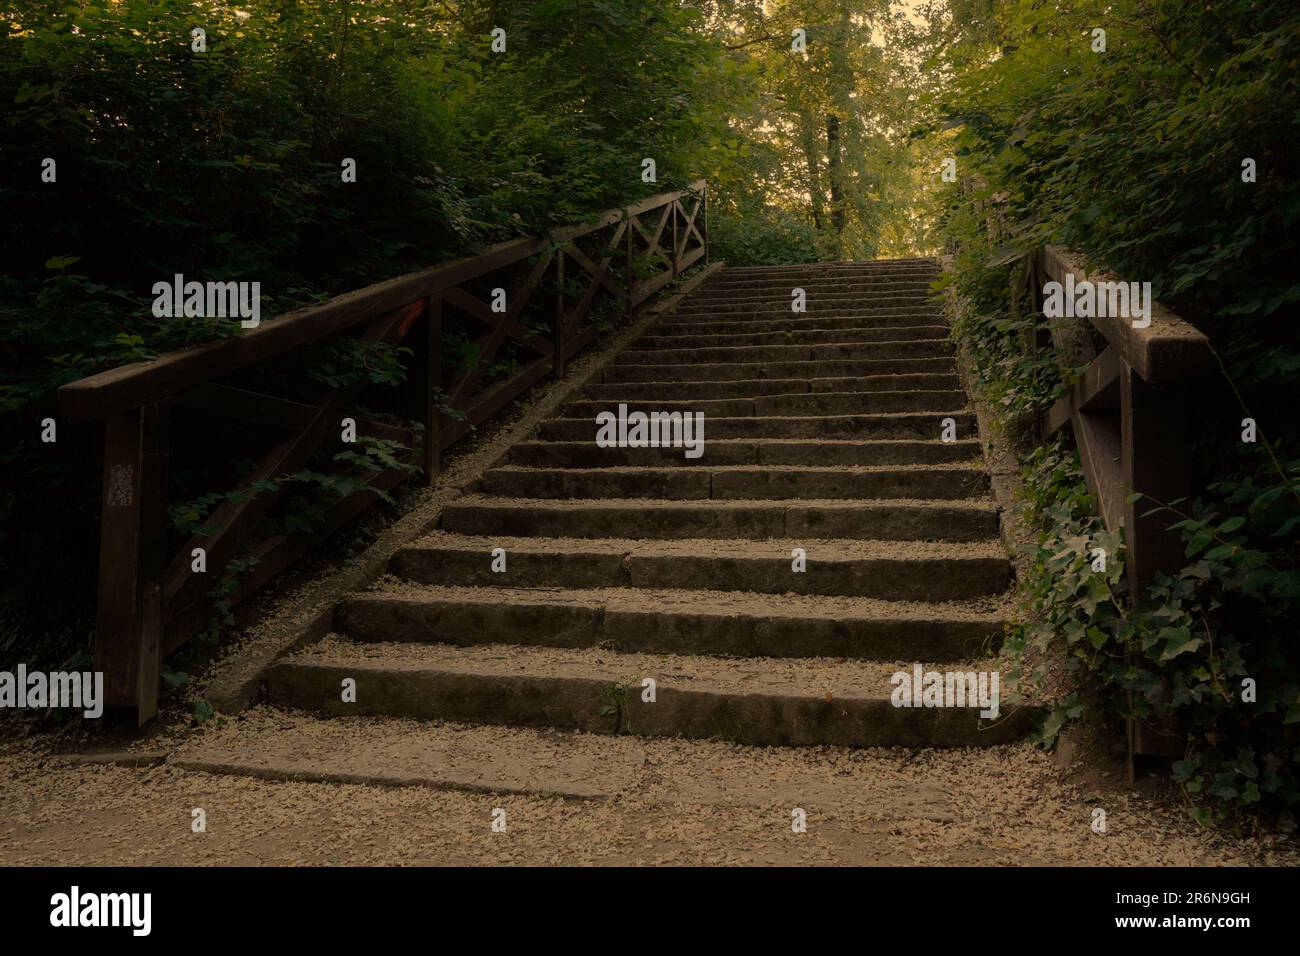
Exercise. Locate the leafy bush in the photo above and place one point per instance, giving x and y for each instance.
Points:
(1136, 157)
(1185, 650)
(226, 165)
(762, 237)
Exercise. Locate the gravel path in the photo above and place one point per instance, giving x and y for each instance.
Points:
(682, 804)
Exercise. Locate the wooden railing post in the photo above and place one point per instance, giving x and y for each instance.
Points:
(631, 275)
(1156, 465)
(677, 245)
(558, 337)
(432, 384)
(128, 625)
(704, 216)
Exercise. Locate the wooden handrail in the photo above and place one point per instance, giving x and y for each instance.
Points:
(130, 386)
(151, 600)
(1168, 350)
(140, 383)
(1129, 411)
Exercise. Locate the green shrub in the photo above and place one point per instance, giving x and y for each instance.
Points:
(762, 237)
(226, 165)
(1135, 156)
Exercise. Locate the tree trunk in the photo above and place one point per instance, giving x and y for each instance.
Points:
(808, 142)
(834, 173)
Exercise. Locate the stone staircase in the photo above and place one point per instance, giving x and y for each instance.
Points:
(629, 565)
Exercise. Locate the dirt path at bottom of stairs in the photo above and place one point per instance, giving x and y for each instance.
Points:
(651, 802)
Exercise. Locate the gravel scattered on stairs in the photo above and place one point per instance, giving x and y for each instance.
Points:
(806, 676)
(806, 606)
(776, 549)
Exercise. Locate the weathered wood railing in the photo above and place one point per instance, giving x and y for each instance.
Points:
(150, 599)
(1130, 414)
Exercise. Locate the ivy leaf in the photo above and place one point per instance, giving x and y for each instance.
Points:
(1181, 643)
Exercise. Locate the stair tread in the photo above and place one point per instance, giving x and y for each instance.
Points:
(696, 481)
(850, 335)
(772, 549)
(975, 504)
(762, 441)
(966, 467)
(747, 405)
(810, 347)
(842, 679)
(992, 608)
(753, 451)
(845, 418)
(789, 386)
(809, 364)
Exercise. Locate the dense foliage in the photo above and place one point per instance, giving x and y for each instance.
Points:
(225, 164)
(1136, 156)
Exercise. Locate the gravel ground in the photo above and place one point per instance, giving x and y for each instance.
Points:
(1001, 806)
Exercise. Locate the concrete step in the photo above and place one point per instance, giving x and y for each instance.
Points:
(971, 519)
(732, 354)
(782, 293)
(729, 279)
(627, 618)
(736, 482)
(878, 280)
(775, 321)
(866, 266)
(734, 309)
(748, 451)
(922, 425)
(817, 403)
(905, 333)
(778, 704)
(822, 368)
(828, 302)
(886, 570)
(756, 387)
(873, 267)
